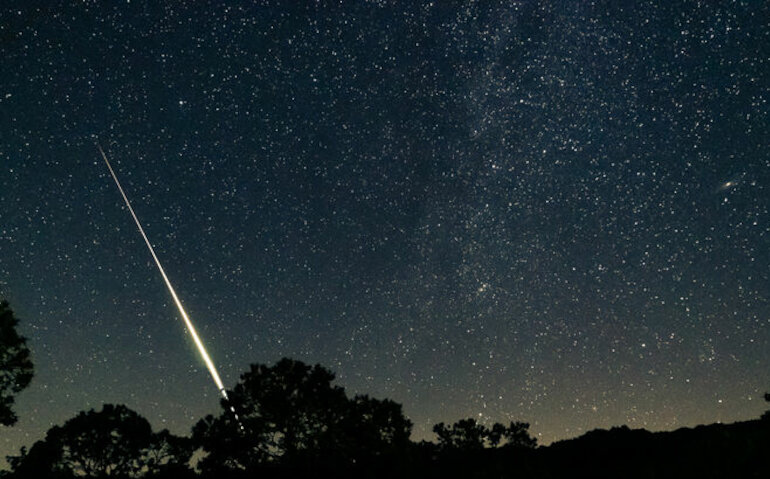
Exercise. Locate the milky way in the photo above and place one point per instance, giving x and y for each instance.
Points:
(554, 212)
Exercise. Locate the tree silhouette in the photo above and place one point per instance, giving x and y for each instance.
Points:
(515, 435)
(39, 462)
(167, 454)
(370, 428)
(380, 423)
(15, 364)
(105, 443)
(114, 442)
(291, 413)
(766, 414)
(467, 434)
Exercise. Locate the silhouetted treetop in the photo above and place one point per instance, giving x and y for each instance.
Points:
(515, 435)
(16, 369)
(292, 413)
(114, 442)
(467, 434)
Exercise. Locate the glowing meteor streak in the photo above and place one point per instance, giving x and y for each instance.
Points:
(202, 349)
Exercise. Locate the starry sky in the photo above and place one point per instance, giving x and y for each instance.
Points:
(555, 212)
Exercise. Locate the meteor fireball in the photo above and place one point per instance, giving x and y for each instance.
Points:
(190, 327)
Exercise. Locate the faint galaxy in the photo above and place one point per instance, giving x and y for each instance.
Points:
(554, 212)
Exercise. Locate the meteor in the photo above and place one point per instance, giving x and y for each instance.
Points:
(190, 327)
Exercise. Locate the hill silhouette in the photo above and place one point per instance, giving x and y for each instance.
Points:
(716, 450)
(738, 450)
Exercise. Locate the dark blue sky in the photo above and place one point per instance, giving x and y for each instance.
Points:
(554, 212)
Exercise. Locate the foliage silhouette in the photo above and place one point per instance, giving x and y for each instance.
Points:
(38, 462)
(292, 414)
(114, 442)
(515, 435)
(464, 434)
(16, 368)
(375, 425)
(294, 422)
(468, 435)
(167, 455)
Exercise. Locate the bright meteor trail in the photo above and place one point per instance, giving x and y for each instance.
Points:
(190, 327)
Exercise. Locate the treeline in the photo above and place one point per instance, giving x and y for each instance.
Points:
(286, 420)
(290, 421)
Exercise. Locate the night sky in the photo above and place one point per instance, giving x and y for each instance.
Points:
(555, 212)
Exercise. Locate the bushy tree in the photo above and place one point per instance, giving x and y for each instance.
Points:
(372, 427)
(16, 369)
(105, 443)
(467, 434)
(515, 435)
(114, 442)
(41, 461)
(291, 413)
(167, 455)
